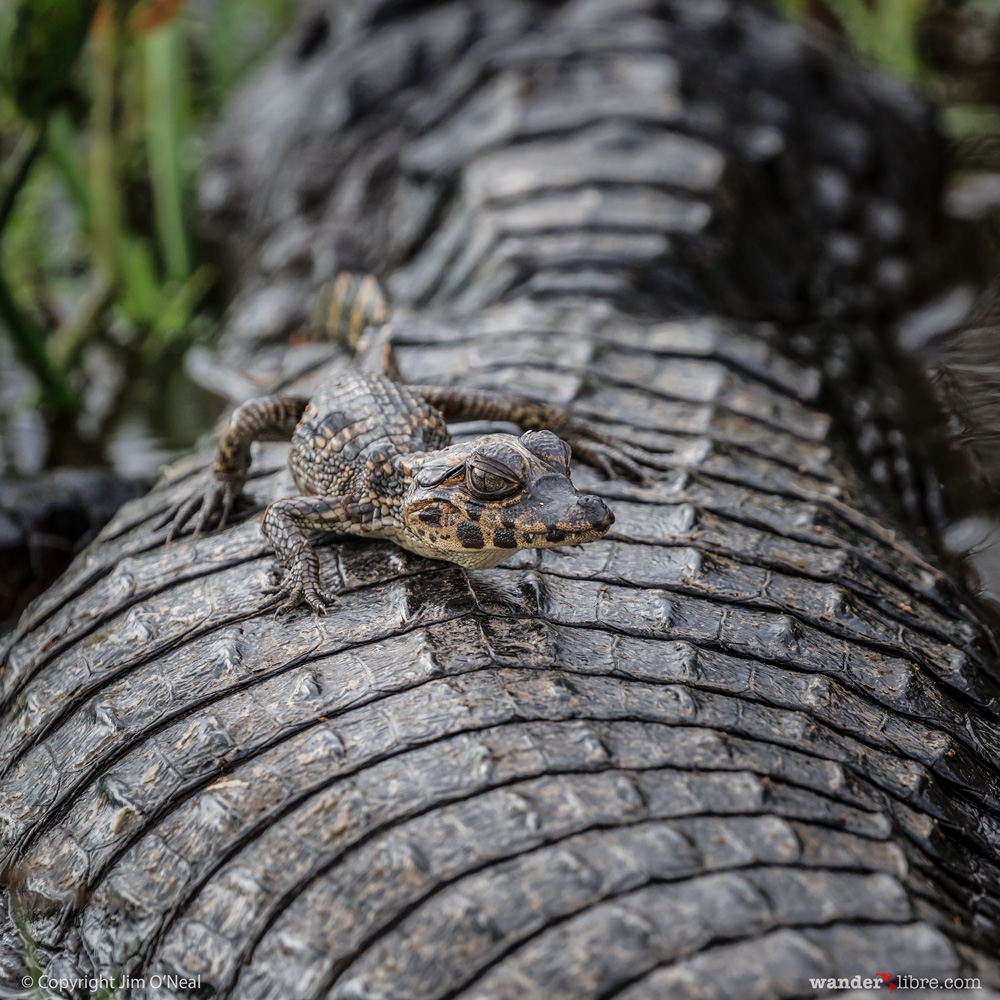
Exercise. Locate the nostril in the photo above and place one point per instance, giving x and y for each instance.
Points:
(595, 509)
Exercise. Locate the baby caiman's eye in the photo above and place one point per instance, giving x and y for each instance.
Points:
(489, 484)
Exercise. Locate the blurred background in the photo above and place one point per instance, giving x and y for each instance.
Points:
(105, 111)
(103, 282)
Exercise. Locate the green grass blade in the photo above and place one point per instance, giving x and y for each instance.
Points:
(106, 214)
(884, 32)
(896, 23)
(142, 299)
(47, 38)
(179, 309)
(223, 52)
(164, 117)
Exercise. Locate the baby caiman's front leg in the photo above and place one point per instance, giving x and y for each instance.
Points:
(270, 418)
(285, 523)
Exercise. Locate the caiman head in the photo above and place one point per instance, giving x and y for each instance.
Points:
(477, 502)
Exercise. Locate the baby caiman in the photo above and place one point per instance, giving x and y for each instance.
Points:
(375, 458)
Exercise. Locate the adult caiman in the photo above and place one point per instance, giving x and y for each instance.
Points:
(744, 745)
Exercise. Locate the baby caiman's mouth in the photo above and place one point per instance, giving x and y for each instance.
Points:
(568, 536)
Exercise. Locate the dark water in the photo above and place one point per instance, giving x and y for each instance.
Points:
(133, 422)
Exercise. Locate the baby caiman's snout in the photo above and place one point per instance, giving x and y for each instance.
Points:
(596, 511)
(569, 517)
(590, 516)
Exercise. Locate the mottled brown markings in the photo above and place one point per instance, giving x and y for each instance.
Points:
(837, 513)
(549, 520)
(347, 305)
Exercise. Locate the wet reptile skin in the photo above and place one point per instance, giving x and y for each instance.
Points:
(375, 458)
(747, 738)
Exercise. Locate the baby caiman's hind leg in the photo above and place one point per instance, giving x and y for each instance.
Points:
(589, 443)
(270, 418)
(285, 523)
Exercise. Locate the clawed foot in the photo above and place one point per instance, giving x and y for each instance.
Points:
(217, 498)
(617, 459)
(299, 587)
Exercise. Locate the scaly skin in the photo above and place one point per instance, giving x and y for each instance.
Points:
(375, 458)
(347, 305)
